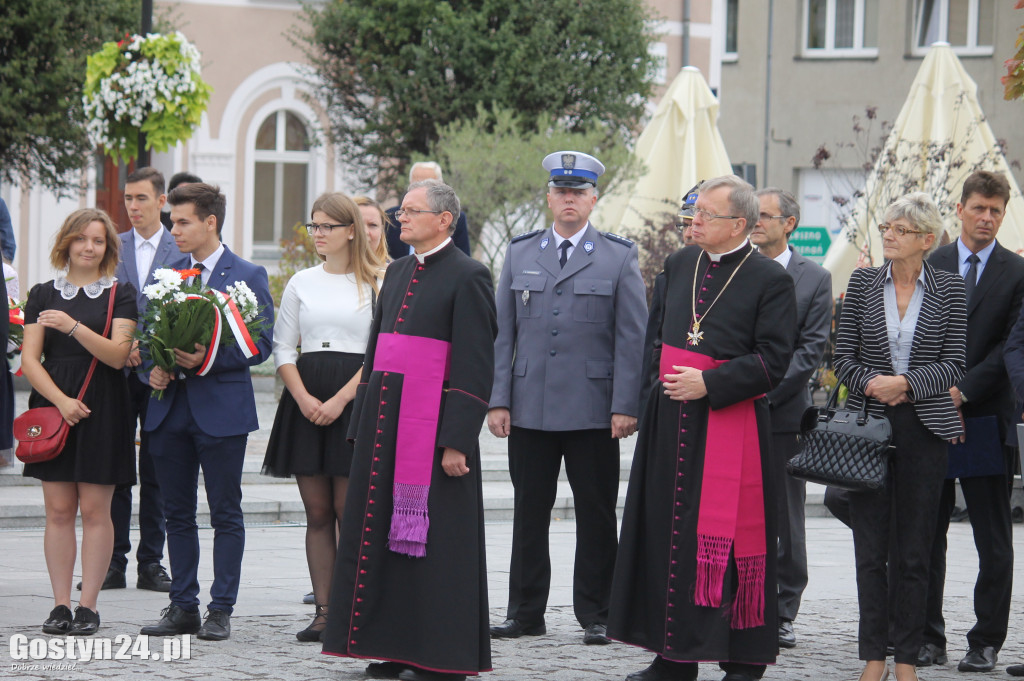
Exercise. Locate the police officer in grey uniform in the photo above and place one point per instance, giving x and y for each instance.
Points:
(571, 313)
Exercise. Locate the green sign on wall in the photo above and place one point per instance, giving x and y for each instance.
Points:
(811, 242)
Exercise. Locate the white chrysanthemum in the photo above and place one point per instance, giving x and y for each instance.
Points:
(168, 277)
(180, 297)
(154, 291)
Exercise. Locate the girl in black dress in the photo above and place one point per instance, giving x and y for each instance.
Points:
(64, 321)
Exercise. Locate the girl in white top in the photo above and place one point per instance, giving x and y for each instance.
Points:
(319, 340)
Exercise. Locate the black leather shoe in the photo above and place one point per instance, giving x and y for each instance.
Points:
(515, 629)
(787, 637)
(978, 660)
(1015, 670)
(424, 675)
(596, 634)
(385, 670)
(930, 654)
(663, 670)
(737, 676)
(59, 621)
(315, 630)
(216, 626)
(173, 621)
(114, 580)
(153, 577)
(86, 622)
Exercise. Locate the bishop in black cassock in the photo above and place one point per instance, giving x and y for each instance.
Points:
(696, 581)
(410, 579)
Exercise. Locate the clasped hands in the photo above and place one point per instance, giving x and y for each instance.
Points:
(688, 384)
(160, 379)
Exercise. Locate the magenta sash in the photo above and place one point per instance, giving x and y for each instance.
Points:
(731, 513)
(423, 362)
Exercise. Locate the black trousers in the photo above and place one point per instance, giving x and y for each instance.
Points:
(988, 504)
(904, 511)
(592, 466)
(152, 530)
(789, 503)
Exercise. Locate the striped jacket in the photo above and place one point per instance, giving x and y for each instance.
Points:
(938, 356)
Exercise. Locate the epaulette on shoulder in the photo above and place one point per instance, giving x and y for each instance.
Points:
(526, 236)
(618, 239)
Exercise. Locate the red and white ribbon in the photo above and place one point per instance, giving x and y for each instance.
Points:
(235, 322)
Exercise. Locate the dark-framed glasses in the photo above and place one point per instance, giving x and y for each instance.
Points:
(323, 227)
(707, 216)
(413, 212)
(898, 230)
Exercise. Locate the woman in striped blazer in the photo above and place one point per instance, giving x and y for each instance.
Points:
(901, 345)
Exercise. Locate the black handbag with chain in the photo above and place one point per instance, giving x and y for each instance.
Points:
(843, 448)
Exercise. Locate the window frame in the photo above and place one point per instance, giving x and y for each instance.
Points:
(279, 157)
(969, 50)
(830, 51)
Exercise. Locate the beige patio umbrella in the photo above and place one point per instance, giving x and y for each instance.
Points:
(679, 147)
(939, 138)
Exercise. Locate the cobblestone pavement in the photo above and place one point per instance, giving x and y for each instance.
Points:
(263, 646)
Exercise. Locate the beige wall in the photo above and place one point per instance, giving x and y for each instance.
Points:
(813, 100)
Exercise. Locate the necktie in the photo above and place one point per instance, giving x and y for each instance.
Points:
(971, 275)
(564, 255)
(199, 266)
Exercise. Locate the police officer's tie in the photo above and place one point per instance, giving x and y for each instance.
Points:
(971, 275)
(564, 255)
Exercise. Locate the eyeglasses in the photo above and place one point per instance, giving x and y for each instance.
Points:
(765, 217)
(705, 216)
(684, 221)
(898, 230)
(324, 228)
(413, 212)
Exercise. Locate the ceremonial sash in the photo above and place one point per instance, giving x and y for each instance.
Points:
(230, 315)
(424, 363)
(731, 513)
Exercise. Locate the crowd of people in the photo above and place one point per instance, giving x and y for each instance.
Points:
(397, 348)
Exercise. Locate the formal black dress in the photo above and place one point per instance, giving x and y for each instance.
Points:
(100, 449)
(752, 325)
(429, 612)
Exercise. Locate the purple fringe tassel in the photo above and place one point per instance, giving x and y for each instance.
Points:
(409, 520)
(712, 559)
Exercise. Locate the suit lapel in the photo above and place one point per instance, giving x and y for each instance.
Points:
(795, 267)
(128, 258)
(988, 276)
(547, 255)
(222, 271)
(876, 302)
(165, 255)
(581, 255)
(931, 307)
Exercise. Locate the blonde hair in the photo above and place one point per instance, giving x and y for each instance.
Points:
(75, 224)
(382, 245)
(920, 210)
(366, 264)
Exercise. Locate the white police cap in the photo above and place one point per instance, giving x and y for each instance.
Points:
(572, 169)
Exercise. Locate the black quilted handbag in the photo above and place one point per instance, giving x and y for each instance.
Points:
(843, 448)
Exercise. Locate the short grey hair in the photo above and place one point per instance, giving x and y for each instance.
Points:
(743, 202)
(432, 165)
(442, 198)
(788, 206)
(919, 210)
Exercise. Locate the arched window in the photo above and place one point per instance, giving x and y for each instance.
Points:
(282, 161)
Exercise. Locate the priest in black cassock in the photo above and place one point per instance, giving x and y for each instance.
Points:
(410, 579)
(695, 573)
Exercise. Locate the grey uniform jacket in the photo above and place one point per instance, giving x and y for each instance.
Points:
(570, 340)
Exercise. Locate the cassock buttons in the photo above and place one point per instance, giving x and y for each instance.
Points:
(555, 312)
(553, 353)
(554, 332)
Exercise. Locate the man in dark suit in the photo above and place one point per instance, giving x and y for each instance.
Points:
(204, 422)
(144, 248)
(994, 279)
(424, 170)
(779, 216)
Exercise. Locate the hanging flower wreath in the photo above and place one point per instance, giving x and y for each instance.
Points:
(146, 83)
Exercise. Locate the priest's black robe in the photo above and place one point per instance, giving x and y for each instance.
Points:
(429, 612)
(753, 325)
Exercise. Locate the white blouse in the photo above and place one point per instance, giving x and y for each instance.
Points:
(321, 312)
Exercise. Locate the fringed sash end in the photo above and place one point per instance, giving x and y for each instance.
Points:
(748, 608)
(409, 520)
(712, 559)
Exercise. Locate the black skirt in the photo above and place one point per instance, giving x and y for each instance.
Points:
(298, 447)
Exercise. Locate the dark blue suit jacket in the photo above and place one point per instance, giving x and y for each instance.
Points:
(222, 402)
(167, 255)
(398, 248)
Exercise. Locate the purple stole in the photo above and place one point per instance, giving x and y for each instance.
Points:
(731, 514)
(424, 364)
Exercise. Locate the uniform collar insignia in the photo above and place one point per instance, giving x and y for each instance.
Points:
(588, 246)
(544, 243)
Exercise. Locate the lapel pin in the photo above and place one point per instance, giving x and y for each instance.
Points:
(544, 243)
(588, 246)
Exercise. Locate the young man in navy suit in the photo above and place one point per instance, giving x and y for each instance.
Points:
(204, 422)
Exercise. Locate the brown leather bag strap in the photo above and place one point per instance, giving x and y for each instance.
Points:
(106, 330)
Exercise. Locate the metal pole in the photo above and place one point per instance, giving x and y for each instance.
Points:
(768, 94)
(147, 27)
(686, 32)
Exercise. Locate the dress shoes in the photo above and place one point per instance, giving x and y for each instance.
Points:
(59, 621)
(114, 580)
(216, 626)
(515, 629)
(153, 577)
(978, 660)
(86, 622)
(787, 637)
(596, 634)
(738, 676)
(173, 621)
(412, 674)
(385, 670)
(1015, 670)
(663, 670)
(930, 654)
